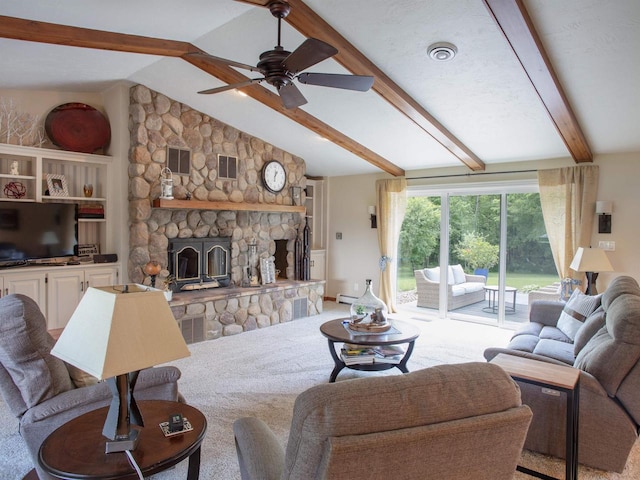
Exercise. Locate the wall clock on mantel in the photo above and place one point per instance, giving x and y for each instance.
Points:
(274, 176)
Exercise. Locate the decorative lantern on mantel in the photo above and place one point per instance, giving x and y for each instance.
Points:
(166, 184)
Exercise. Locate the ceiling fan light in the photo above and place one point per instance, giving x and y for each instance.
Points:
(442, 51)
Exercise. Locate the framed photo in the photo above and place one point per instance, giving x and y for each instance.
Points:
(57, 185)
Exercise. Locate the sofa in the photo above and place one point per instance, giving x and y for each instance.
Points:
(462, 289)
(41, 390)
(427, 424)
(600, 336)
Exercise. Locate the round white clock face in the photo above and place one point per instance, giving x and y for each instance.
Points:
(273, 176)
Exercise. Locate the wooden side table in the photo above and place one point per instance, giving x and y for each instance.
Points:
(77, 448)
(559, 377)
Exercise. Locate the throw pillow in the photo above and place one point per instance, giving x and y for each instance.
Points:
(458, 274)
(432, 274)
(577, 309)
(450, 279)
(79, 377)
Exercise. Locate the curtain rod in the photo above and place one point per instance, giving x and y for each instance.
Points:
(470, 174)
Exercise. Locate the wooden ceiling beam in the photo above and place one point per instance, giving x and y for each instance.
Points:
(310, 24)
(30, 30)
(517, 27)
(43, 32)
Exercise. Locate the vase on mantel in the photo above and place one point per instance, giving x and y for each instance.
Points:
(368, 312)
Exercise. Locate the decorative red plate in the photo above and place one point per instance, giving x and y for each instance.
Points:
(78, 127)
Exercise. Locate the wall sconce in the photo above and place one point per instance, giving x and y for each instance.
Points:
(374, 218)
(604, 209)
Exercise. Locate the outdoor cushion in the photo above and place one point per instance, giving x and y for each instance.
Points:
(458, 274)
(458, 290)
(432, 274)
(470, 287)
(577, 309)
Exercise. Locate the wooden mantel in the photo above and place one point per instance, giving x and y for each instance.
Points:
(206, 205)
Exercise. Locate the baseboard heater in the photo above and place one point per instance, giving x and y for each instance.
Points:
(340, 298)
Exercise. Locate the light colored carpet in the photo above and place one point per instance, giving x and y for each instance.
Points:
(260, 373)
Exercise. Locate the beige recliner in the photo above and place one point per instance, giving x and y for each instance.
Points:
(38, 387)
(450, 422)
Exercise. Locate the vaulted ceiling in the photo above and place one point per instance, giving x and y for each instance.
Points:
(532, 79)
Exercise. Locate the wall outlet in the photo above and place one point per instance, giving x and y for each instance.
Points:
(338, 235)
(355, 287)
(549, 391)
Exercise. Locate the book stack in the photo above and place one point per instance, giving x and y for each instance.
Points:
(91, 210)
(388, 354)
(357, 354)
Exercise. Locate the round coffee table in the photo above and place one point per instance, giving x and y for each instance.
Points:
(493, 293)
(337, 331)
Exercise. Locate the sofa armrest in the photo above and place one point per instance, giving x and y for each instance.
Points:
(260, 455)
(545, 312)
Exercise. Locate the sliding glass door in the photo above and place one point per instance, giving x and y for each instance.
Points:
(496, 252)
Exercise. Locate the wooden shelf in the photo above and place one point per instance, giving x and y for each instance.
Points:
(205, 205)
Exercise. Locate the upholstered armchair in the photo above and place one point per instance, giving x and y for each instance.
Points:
(39, 389)
(428, 424)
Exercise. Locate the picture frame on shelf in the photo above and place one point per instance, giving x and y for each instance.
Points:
(57, 185)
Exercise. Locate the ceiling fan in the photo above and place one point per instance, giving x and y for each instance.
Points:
(280, 67)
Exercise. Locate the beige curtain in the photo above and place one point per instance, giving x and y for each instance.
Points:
(567, 197)
(392, 203)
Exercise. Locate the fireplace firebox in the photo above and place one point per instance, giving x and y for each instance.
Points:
(198, 263)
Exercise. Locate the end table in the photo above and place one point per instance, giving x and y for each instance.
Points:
(77, 448)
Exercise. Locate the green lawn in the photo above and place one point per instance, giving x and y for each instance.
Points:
(406, 279)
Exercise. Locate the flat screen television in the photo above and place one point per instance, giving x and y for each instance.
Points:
(34, 231)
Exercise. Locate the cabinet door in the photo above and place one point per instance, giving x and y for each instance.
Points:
(100, 277)
(65, 289)
(317, 264)
(30, 284)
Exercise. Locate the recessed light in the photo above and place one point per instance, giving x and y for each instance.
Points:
(442, 51)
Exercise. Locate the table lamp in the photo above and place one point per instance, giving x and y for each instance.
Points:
(114, 333)
(591, 261)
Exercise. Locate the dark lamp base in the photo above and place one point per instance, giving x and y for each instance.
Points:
(121, 445)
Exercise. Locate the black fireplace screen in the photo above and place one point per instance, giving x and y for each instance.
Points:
(202, 261)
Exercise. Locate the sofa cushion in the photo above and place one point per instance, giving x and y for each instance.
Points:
(524, 343)
(562, 351)
(458, 274)
(613, 351)
(457, 290)
(591, 325)
(470, 287)
(25, 347)
(553, 333)
(531, 328)
(578, 308)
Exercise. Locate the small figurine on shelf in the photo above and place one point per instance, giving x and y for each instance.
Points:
(14, 170)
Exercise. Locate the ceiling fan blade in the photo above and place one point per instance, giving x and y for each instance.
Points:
(291, 96)
(361, 83)
(231, 63)
(311, 51)
(231, 87)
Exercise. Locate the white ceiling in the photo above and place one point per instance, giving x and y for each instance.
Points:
(483, 96)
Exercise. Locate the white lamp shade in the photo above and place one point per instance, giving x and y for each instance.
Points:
(604, 207)
(113, 333)
(591, 260)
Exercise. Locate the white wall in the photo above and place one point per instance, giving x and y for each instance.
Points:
(355, 257)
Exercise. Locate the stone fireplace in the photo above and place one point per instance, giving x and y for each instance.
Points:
(157, 122)
(199, 263)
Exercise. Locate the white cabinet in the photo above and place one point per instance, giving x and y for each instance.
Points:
(66, 286)
(318, 259)
(31, 284)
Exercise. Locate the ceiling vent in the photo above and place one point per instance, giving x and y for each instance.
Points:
(442, 51)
